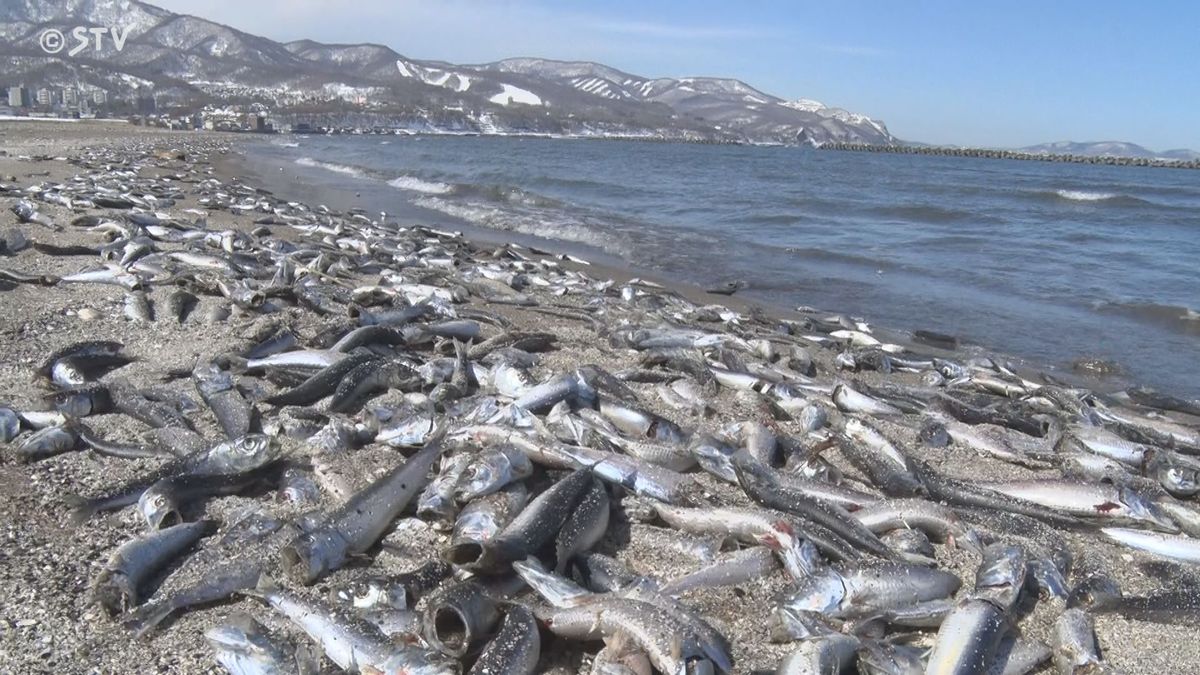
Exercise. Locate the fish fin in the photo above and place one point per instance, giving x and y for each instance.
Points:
(81, 509)
(265, 584)
(307, 660)
(913, 558)
(147, 617)
(619, 644)
(676, 647)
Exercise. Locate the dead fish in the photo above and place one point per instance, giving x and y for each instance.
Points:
(117, 587)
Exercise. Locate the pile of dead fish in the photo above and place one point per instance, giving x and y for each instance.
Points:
(367, 343)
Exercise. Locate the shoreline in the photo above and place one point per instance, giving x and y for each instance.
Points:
(290, 184)
(896, 148)
(48, 621)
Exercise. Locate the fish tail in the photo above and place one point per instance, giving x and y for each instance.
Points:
(80, 509)
(148, 617)
(265, 585)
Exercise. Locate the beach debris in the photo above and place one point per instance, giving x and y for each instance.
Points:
(396, 415)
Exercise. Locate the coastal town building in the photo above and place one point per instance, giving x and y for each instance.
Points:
(18, 97)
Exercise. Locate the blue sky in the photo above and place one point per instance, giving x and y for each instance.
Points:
(973, 73)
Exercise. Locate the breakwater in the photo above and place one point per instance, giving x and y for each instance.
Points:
(990, 153)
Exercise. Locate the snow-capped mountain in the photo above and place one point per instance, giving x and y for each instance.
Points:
(1109, 149)
(187, 61)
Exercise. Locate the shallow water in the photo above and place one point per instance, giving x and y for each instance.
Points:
(1045, 261)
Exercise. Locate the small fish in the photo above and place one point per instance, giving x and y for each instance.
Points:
(358, 524)
(584, 528)
(179, 305)
(244, 647)
(1075, 648)
(118, 586)
(538, 523)
(481, 520)
(45, 443)
(1176, 547)
(351, 643)
(516, 648)
(10, 424)
(458, 617)
(137, 307)
(400, 591)
(491, 470)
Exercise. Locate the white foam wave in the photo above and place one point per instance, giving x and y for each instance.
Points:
(415, 184)
(288, 144)
(539, 226)
(329, 166)
(1084, 195)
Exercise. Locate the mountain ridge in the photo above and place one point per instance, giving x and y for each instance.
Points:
(1109, 149)
(183, 60)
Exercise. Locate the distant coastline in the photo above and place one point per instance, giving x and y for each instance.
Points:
(991, 153)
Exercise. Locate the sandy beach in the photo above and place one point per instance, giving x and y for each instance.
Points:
(48, 620)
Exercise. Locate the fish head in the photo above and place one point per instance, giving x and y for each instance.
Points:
(1181, 482)
(24, 210)
(879, 657)
(312, 554)
(489, 469)
(1178, 475)
(10, 425)
(371, 593)
(1048, 579)
(854, 428)
(159, 508)
(714, 457)
(115, 592)
(788, 624)
(73, 402)
(66, 373)
(813, 417)
(244, 453)
(211, 379)
(822, 593)
(934, 434)
(297, 487)
(1095, 592)
(1001, 574)
(1141, 508)
(237, 634)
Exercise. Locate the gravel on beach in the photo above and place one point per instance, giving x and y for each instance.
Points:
(48, 619)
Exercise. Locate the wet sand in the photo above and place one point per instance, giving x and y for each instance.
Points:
(48, 622)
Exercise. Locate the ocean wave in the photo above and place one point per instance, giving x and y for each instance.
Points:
(545, 225)
(330, 166)
(507, 194)
(414, 184)
(922, 213)
(1180, 318)
(286, 144)
(1085, 195)
(1095, 197)
(842, 257)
